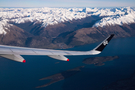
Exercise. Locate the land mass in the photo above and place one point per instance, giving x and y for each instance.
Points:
(63, 35)
(61, 28)
(60, 76)
(98, 61)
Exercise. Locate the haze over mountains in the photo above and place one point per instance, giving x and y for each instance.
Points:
(63, 27)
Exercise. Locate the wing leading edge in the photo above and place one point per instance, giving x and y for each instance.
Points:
(13, 53)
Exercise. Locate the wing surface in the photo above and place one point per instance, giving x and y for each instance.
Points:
(7, 51)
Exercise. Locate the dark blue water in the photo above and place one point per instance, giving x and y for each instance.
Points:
(25, 76)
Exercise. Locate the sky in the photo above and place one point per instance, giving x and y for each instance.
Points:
(67, 3)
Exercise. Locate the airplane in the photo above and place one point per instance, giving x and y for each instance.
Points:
(14, 53)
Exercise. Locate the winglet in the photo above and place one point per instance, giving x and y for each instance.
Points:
(103, 44)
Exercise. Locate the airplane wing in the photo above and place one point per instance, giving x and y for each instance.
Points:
(14, 53)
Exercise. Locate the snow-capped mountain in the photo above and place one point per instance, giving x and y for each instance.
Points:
(50, 16)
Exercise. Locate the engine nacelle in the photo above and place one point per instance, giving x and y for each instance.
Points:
(59, 57)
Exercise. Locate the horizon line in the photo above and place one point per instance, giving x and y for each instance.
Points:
(70, 7)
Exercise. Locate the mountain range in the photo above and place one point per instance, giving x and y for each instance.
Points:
(63, 27)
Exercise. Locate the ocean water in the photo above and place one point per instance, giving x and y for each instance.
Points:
(25, 76)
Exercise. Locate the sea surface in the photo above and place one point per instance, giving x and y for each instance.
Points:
(25, 76)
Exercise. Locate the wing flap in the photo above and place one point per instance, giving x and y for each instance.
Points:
(23, 51)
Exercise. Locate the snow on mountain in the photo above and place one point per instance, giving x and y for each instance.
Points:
(50, 16)
(4, 26)
(126, 16)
